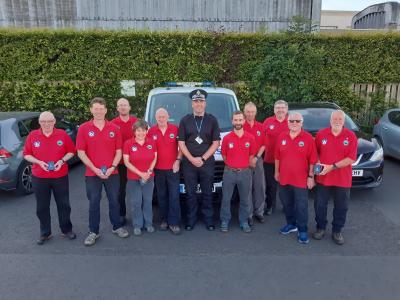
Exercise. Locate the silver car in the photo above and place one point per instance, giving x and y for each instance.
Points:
(387, 132)
(15, 172)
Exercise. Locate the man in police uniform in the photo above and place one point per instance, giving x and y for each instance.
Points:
(238, 150)
(199, 138)
(337, 150)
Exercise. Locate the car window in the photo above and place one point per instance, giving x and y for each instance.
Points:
(23, 131)
(317, 118)
(178, 105)
(394, 117)
(61, 124)
(32, 124)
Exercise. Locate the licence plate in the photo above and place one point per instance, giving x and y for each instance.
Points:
(182, 188)
(358, 173)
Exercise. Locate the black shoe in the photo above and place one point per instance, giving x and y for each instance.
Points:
(250, 220)
(189, 227)
(260, 219)
(70, 235)
(268, 211)
(43, 238)
(210, 227)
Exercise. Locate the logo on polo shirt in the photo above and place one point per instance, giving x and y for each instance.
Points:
(301, 144)
(112, 134)
(346, 142)
(324, 141)
(283, 142)
(60, 143)
(155, 137)
(271, 127)
(230, 145)
(172, 135)
(247, 145)
(134, 148)
(258, 132)
(91, 133)
(36, 144)
(149, 147)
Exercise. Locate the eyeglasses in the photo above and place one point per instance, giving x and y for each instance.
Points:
(46, 121)
(297, 121)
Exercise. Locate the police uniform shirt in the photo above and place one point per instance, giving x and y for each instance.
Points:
(188, 133)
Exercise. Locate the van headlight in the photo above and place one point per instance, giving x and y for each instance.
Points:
(378, 155)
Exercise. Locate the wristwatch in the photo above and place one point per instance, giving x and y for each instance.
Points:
(202, 158)
(334, 167)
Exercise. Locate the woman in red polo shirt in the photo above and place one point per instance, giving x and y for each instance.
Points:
(140, 156)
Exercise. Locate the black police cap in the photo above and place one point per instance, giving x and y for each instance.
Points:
(198, 94)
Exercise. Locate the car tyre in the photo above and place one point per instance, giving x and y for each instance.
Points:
(24, 180)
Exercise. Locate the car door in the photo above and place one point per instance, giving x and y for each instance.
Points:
(391, 132)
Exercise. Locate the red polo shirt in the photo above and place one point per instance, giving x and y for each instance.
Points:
(295, 157)
(125, 128)
(273, 128)
(51, 148)
(168, 142)
(257, 131)
(141, 156)
(100, 146)
(332, 149)
(238, 150)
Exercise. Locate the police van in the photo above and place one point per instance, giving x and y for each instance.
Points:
(174, 97)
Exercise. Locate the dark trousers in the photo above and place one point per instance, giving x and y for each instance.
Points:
(340, 197)
(60, 188)
(295, 205)
(167, 187)
(270, 185)
(122, 189)
(205, 176)
(94, 187)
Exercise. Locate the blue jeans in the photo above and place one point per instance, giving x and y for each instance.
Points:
(141, 197)
(295, 205)
(340, 197)
(167, 188)
(94, 186)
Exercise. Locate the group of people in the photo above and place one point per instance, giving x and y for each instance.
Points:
(131, 160)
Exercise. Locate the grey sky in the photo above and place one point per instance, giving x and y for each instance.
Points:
(355, 5)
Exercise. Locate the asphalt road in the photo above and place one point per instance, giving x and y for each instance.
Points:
(202, 264)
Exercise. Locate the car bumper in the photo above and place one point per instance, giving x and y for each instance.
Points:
(7, 177)
(372, 175)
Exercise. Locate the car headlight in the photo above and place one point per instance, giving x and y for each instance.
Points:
(378, 155)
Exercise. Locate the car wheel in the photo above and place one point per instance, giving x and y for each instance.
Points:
(24, 185)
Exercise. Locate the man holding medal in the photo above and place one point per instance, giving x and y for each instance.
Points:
(199, 138)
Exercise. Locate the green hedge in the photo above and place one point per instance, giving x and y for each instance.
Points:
(64, 69)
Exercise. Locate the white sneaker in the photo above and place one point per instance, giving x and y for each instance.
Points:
(121, 232)
(91, 239)
(137, 231)
(150, 229)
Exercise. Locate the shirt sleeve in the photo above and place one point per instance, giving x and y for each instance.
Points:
(223, 146)
(28, 146)
(253, 148)
(318, 141)
(277, 150)
(126, 147)
(313, 156)
(216, 134)
(352, 151)
(182, 131)
(80, 139)
(118, 135)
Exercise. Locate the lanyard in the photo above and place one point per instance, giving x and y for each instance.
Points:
(198, 127)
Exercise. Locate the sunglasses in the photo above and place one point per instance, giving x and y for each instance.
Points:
(297, 121)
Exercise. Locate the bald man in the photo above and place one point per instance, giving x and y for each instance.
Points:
(125, 123)
(337, 151)
(48, 149)
(166, 170)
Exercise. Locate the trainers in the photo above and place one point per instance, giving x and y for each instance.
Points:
(338, 238)
(319, 234)
(121, 232)
(302, 237)
(175, 229)
(91, 239)
(250, 221)
(268, 211)
(288, 229)
(260, 218)
(137, 231)
(69, 235)
(224, 227)
(245, 227)
(150, 229)
(163, 226)
(43, 238)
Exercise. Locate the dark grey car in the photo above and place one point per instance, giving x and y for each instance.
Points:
(387, 132)
(15, 172)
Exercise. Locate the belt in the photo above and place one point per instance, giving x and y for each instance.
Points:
(236, 169)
